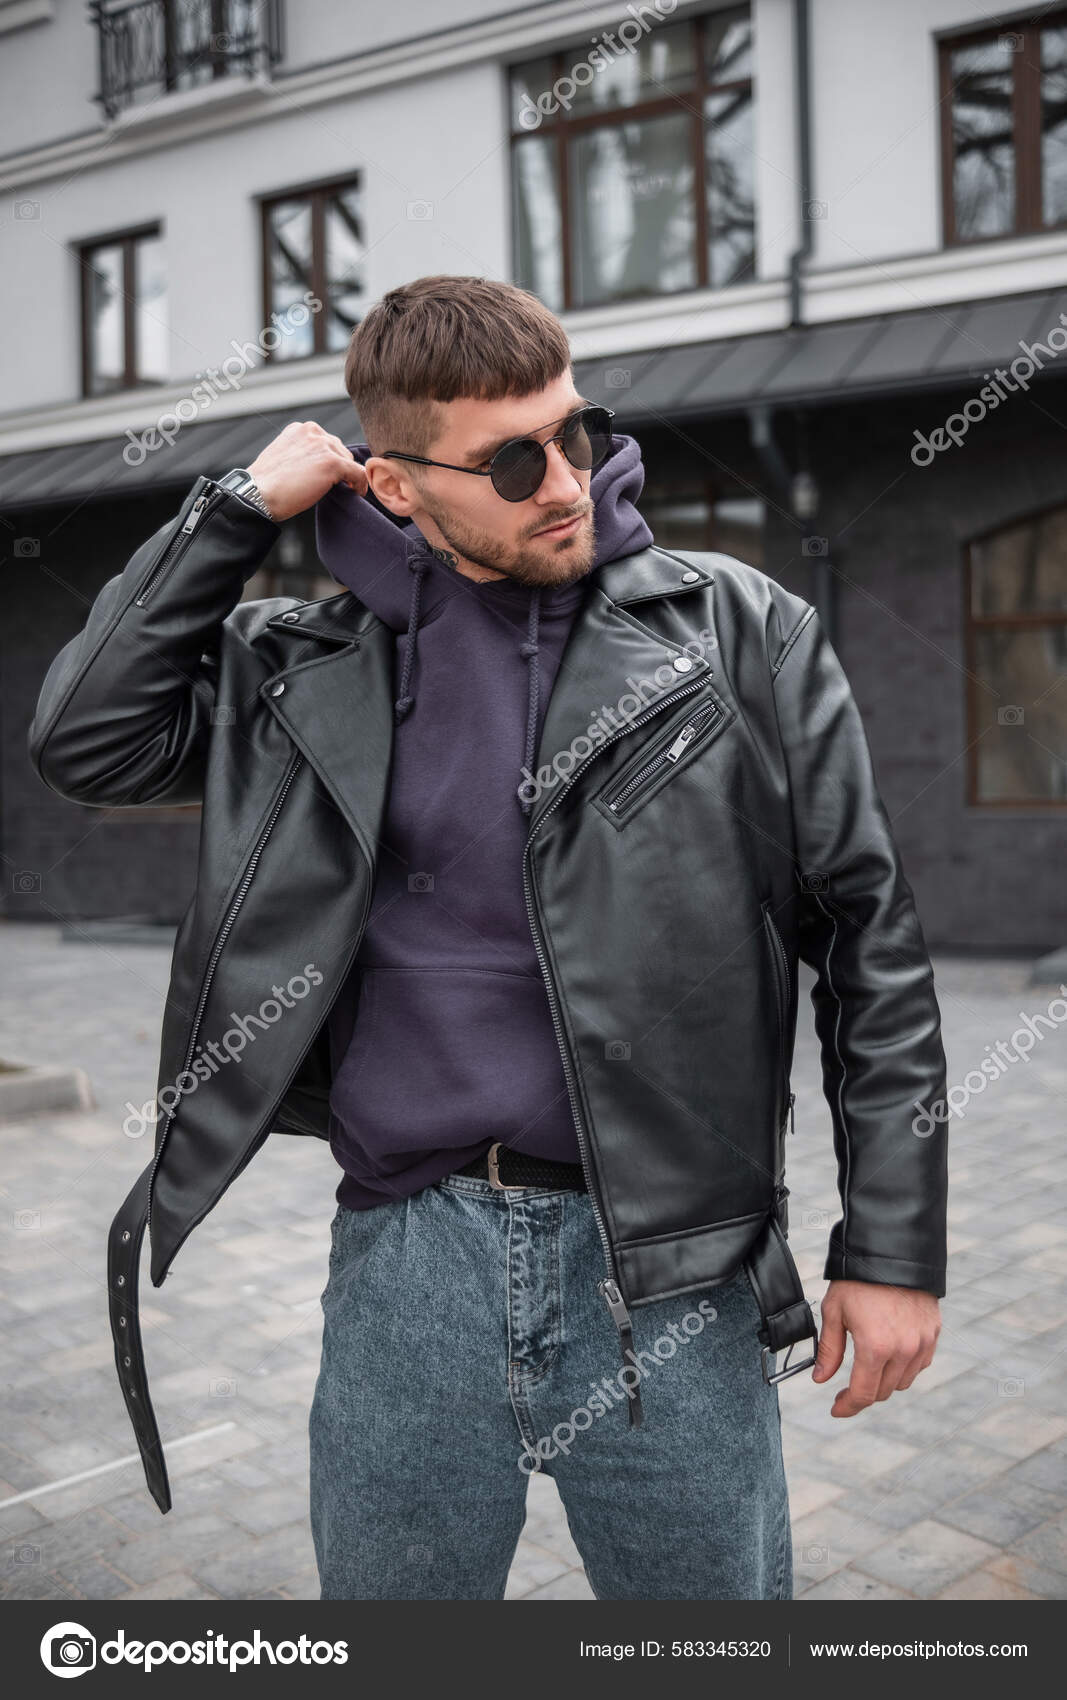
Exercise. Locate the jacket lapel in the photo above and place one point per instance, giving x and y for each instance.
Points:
(337, 707)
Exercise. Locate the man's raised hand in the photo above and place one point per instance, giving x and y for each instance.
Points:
(300, 465)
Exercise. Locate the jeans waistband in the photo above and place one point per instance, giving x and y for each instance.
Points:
(481, 1188)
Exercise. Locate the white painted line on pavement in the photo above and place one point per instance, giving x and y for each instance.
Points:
(116, 1464)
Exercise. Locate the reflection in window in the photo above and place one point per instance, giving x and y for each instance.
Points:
(1054, 124)
(124, 313)
(538, 221)
(1017, 639)
(634, 226)
(984, 149)
(1004, 96)
(633, 173)
(314, 246)
(684, 516)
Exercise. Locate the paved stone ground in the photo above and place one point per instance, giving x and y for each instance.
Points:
(954, 1490)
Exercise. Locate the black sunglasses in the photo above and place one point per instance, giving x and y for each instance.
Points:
(518, 468)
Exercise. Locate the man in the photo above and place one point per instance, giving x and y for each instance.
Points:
(519, 838)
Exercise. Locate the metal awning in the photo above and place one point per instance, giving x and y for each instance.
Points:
(79, 471)
(925, 349)
(928, 348)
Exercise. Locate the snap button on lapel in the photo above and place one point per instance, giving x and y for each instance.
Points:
(276, 690)
(291, 618)
(682, 664)
(687, 578)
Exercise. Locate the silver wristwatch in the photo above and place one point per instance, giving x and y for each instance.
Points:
(241, 482)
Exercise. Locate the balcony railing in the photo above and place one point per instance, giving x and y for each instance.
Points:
(150, 48)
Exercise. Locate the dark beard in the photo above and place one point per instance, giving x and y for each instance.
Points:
(526, 565)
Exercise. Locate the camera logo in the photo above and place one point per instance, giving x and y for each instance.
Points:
(67, 1649)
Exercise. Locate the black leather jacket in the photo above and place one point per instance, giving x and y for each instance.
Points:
(722, 824)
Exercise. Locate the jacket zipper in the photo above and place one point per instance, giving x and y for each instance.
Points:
(209, 973)
(700, 722)
(175, 548)
(781, 998)
(609, 1288)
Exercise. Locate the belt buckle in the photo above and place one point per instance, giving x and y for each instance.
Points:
(767, 1355)
(494, 1171)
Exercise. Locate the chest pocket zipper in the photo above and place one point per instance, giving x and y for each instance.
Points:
(623, 797)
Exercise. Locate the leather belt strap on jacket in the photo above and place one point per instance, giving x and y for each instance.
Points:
(123, 1282)
(775, 1280)
(786, 1315)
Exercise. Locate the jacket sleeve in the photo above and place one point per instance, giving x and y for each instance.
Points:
(125, 711)
(876, 1014)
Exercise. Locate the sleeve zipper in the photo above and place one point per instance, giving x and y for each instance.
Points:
(177, 543)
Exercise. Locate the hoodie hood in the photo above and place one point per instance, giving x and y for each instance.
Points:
(391, 567)
(367, 549)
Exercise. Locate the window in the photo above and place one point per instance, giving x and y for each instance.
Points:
(314, 245)
(696, 514)
(1004, 136)
(1017, 663)
(124, 312)
(632, 172)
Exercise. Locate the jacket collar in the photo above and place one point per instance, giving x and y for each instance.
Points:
(650, 573)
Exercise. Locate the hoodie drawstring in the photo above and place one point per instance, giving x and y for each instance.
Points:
(418, 563)
(529, 652)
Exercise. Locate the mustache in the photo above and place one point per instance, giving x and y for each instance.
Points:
(561, 519)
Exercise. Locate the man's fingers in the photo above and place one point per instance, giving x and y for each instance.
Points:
(831, 1346)
(892, 1374)
(923, 1358)
(350, 472)
(863, 1384)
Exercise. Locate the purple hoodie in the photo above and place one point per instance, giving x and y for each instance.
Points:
(442, 1039)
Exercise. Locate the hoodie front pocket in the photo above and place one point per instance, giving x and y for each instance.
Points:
(657, 763)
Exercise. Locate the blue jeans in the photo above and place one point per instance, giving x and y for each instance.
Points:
(465, 1344)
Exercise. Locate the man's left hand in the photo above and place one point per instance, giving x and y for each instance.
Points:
(894, 1334)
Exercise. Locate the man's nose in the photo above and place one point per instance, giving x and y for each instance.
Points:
(561, 483)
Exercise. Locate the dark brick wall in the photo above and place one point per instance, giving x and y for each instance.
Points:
(62, 860)
(983, 878)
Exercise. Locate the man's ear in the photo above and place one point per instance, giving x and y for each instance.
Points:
(393, 488)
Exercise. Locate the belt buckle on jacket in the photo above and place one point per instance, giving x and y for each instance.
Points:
(493, 1158)
(769, 1356)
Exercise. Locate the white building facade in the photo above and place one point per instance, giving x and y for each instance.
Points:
(786, 239)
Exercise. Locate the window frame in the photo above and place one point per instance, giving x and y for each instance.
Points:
(1025, 126)
(974, 623)
(126, 239)
(316, 192)
(561, 125)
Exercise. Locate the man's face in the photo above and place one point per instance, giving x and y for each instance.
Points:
(546, 540)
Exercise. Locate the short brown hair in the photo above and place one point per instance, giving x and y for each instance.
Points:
(441, 338)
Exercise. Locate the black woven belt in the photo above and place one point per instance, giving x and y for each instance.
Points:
(504, 1168)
